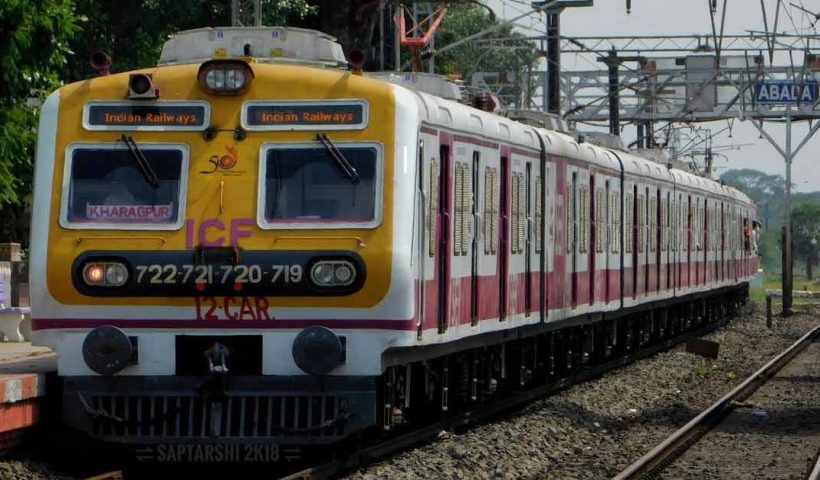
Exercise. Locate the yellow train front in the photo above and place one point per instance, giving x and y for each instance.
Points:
(198, 226)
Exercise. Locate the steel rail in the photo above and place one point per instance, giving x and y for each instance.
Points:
(815, 473)
(368, 454)
(660, 457)
(115, 475)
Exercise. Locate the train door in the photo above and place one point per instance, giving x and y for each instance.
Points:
(643, 271)
(503, 240)
(548, 220)
(738, 244)
(475, 246)
(666, 231)
(704, 237)
(674, 243)
(421, 228)
(616, 232)
(608, 241)
(722, 271)
(572, 241)
(657, 216)
(634, 231)
(708, 242)
(443, 266)
(528, 241)
(696, 245)
(592, 228)
(682, 240)
(674, 240)
(688, 219)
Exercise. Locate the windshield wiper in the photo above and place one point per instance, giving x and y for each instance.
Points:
(142, 162)
(340, 159)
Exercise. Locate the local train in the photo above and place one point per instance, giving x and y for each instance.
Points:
(253, 242)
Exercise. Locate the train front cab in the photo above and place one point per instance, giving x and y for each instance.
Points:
(220, 214)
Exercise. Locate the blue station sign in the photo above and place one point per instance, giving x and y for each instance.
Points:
(785, 91)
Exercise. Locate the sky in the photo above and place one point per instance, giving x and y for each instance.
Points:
(669, 17)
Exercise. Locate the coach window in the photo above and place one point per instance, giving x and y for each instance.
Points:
(515, 219)
(114, 187)
(615, 221)
(491, 210)
(464, 209)
(458, 201)
(583, 227)
(311, 186)
(629, 224)
(641, 223)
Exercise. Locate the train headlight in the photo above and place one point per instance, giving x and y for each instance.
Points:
(219, 77)
(105, 274)
(141, 86)
(333, 273)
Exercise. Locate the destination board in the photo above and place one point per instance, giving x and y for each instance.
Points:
(305, 115)
(146, 116)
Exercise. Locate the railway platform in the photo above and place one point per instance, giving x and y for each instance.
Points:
(23, 372)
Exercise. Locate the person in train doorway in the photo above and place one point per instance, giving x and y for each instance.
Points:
(747, 233)
(755, 236)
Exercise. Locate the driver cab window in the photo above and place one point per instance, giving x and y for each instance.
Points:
(109, 187)
(311, 186)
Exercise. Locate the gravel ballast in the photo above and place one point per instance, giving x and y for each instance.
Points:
(596, 429)
(590, 431)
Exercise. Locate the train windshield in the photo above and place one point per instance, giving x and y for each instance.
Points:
(108, 187)
(305, 184)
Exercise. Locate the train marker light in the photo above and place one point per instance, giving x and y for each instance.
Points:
(116, 274)
(333, 273)
(344, 274)
(141, 87)
(94, 273)
(105, 274)
(225, 77)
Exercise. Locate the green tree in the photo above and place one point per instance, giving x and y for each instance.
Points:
(133, 32)
(512, 63)
(34, 48)
(806, 221)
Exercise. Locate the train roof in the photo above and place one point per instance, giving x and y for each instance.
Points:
(458, 116)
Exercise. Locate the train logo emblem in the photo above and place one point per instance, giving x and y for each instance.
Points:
(224, 163)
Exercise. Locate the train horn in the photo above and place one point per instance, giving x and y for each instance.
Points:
(101, 62)
(356, 60)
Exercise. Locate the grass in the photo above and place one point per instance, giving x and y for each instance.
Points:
(774, 282)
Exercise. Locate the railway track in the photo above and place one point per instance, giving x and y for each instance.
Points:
(368, 454)
(653, 463)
